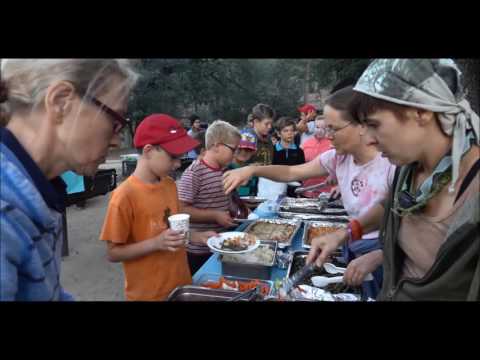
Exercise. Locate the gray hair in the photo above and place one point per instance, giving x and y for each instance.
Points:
(26, 80)
(221, 132)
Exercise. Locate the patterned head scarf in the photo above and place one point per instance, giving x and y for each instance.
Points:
(429, 84)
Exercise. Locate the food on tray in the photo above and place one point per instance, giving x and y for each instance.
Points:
(237, 285)
(272, 231)
(315, 231)
(263, 255)
(239, 243)
(299, 262)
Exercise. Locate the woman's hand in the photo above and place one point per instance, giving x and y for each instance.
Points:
(360, 267)
(323, 246)
(235, 178)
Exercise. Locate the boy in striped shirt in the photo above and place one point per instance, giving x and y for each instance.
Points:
(200, 188)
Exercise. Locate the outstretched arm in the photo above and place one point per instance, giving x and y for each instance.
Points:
(281, 173)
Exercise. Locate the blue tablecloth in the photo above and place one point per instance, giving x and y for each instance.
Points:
(214, 266)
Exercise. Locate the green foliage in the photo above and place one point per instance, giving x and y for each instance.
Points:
(228, 88)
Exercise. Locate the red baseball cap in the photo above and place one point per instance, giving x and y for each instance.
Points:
(165, 131)
(307, 108)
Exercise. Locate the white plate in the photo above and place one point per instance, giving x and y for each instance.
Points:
(215, 243)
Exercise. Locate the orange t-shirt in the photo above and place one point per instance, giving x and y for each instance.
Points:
(138, 211)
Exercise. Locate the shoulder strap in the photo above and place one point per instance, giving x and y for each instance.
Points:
(468, 179)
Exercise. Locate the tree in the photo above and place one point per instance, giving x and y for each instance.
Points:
(229, 88)
(471, 79)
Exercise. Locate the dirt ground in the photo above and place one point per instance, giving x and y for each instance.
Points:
(86, 273)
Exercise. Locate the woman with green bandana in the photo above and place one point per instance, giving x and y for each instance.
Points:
(416, 114)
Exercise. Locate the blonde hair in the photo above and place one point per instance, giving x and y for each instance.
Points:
(221, 132)
(24, 81)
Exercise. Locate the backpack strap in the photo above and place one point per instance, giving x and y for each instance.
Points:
(468, 179)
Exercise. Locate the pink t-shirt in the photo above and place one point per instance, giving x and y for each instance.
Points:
(362, 186)
(312, 148)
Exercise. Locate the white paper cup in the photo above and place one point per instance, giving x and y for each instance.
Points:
(180, 222)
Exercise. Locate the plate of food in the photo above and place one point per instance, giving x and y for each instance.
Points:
(233, 242)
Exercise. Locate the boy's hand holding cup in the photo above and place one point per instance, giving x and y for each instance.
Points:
(181, 222)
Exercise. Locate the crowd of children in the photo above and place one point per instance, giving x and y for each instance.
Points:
(155, 258)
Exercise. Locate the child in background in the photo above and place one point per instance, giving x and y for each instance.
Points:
(245, 151)
(201, 188)
(263, 116)
(286, 151)
(136, 224)
(274, 139)
(200, 149)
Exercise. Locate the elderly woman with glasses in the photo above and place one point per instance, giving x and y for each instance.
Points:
(363, 177)
(61, 114)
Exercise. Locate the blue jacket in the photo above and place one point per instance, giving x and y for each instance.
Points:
(31, 228)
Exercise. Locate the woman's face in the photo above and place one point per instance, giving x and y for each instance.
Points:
(397, 139)
(263, 126)
(344, 135)
(88, 132)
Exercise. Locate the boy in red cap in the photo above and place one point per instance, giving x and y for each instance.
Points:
(136, 225)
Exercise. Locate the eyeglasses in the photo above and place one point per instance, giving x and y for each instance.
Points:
(332, 132)
(119, 122)
(230, 147)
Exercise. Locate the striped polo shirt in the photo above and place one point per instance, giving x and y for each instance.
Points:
(202, 186)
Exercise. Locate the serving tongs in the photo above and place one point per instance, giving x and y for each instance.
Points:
(333, 197)
(290, 283)
(311, 187)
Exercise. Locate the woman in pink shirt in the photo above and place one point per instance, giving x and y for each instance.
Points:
(312, 148)
(364, 178)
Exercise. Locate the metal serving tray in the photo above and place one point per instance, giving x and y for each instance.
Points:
(298, 261)
(310, 224)
(198, 293)
(210, 277)
(295, 222)
(249, 270)
(313, 217)
(311, 205)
